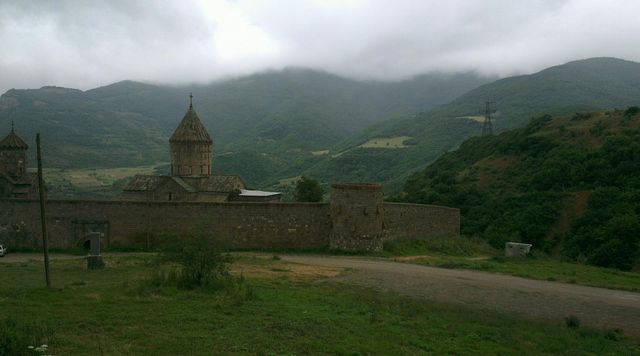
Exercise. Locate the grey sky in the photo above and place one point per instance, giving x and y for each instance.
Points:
(84, 44)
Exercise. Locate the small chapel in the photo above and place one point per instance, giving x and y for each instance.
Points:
(190, 178)
(15, 181)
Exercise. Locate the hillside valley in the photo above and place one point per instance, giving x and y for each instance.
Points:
(272, 127)
(569, 185)
(585, 85)
(269, 117)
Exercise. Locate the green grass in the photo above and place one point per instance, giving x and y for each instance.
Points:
(98, 177)
(107, 312)
(446, 245)
(542, 268)
(466, 253)
(92, 182)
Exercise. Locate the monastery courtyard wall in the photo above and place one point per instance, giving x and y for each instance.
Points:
(241, 225)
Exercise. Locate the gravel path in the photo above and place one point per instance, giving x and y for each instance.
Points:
(26, 257)
(595, 307)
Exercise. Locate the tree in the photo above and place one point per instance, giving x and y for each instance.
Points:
(308, 190)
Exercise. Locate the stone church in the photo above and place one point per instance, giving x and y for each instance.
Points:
(191, 179)
(15, 181)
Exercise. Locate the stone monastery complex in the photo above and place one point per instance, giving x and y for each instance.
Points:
(191, 200)
(191, 178)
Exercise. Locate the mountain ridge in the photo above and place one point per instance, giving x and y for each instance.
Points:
(273, 113)
(295, 121)
(584, 85)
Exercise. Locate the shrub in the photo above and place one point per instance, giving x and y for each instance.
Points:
(620, 248)
(631, 111)
(572, 322)
(201, 259)
(308, 190)
(614, 335)
(581, 116)
(608, 234)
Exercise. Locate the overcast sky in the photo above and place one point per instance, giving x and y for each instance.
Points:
(85, 44)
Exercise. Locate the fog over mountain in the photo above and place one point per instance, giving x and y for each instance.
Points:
(83, 44)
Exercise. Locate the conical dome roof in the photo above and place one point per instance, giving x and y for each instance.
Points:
(190, 129)
(13, 141)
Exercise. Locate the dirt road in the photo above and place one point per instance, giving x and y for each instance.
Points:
(26, 257)
(596, 307)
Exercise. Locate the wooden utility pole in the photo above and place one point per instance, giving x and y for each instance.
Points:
(45, 239)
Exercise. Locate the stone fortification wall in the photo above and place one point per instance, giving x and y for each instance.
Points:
(128, 224)
(418, 220)
(356, 219)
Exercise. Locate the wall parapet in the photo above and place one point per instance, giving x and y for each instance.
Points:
(421, 205)
(136, 202)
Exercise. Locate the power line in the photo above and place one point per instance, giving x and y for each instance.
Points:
(487, 125)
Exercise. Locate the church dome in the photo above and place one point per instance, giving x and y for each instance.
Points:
(190, 129)
(13, 142)
(191, 153)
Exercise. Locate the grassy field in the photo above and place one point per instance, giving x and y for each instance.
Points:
(95, 178)
(320, 152)
(386, 142)
(96, 183)
(282, 309)
(465, 253)
(379, 142)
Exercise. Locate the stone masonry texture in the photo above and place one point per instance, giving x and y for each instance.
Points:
(357, 217)
(241, 225)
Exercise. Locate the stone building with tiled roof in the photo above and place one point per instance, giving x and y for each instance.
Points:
(15, 181)
(190, 178)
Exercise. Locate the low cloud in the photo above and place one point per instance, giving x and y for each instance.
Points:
(84, 44)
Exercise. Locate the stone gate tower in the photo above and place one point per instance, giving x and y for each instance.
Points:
(357, 217)
(13, 155)
(190, 147)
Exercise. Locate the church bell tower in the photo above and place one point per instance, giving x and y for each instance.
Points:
(13, 155)
(190, 147)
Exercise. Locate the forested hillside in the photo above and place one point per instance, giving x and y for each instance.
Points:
(273, 115)
(586, 85)
(274, 126)
(569, 185)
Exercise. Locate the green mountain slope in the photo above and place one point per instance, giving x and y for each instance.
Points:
(568, 184)
(585, 85)
(79, 130)
(274, 115)
(592, 84)
(275, 125)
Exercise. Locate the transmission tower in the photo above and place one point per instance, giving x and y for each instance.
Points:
(487, 126)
